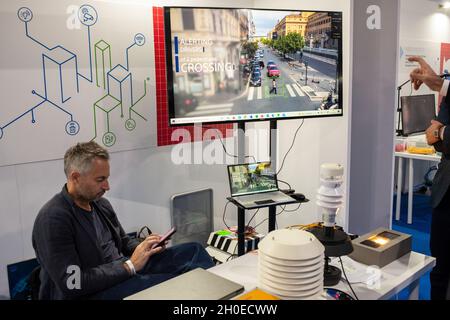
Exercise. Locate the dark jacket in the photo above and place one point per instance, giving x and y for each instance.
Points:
(62, 238)
(441, 180)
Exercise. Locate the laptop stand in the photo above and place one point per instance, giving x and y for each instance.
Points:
(241, 220)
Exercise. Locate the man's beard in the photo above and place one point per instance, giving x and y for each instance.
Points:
(90, 198)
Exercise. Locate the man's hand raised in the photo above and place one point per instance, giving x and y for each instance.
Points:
(424, 74)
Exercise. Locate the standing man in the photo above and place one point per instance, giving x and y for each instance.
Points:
(274, 86)
(82, 248)
(438, 135)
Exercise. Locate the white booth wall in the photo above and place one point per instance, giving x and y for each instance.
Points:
(143, 181)
(375, 43)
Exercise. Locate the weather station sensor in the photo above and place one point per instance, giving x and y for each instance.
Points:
(329, 200)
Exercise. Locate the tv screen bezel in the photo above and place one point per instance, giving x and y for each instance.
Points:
(169, 68)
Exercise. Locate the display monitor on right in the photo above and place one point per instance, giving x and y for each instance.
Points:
(417, 113)
(236, 64)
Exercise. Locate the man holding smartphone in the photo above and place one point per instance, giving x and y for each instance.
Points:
(83, 251)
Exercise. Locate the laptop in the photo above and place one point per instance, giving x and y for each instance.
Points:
(417, 113)
(255, 185)
(197, 284)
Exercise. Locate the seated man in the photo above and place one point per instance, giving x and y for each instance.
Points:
(82, 248)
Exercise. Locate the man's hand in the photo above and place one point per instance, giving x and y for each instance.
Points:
(431, 138)
(424, 74)
(145, 250)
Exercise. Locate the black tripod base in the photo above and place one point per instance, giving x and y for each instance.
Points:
(331, 276)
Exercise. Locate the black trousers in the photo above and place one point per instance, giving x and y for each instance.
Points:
(440, 249)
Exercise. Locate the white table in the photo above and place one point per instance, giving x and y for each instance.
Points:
(393, 278)
(411, 157)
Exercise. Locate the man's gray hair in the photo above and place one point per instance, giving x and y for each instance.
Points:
(79, 157)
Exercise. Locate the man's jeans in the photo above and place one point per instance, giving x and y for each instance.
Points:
(168, 264)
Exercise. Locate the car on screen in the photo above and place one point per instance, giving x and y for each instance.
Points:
(255, 79)
(246, 70)
(185, 102)
(273, 71)
(271, 63)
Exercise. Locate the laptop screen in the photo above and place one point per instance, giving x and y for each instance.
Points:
(251, 178)
(417, 113)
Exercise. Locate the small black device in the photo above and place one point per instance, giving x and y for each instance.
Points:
(264, 201)
(165, 237)
(300, 197)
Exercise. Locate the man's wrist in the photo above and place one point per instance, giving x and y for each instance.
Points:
(130, 267)
(444, 88)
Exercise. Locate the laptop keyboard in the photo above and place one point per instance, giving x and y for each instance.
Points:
(264, 197)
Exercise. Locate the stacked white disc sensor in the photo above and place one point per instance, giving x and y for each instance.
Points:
(291, 264)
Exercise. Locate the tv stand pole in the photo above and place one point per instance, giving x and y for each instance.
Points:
(241, 211)
(273, 159)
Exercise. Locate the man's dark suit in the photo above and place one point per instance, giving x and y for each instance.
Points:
(62, 238)
(440, 201)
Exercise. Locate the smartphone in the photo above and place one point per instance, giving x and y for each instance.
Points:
(165, 237)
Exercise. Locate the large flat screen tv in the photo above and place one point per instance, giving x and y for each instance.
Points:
(230, 64)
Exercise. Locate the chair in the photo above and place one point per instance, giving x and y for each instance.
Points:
(22, 276)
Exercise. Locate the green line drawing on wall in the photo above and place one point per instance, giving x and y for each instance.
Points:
(105, 104)
(109, 139)
(102, 53)
(131, 108)
(118, 82)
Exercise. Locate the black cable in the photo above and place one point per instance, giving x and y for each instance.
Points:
(223, 217)
(268, 218)
(279, 180)
(292, 145)
(232, 255)
(234, 251)
(299, 205)
(283, 210)
(254, 215)
(260, 223)
(346, 279)
(225, 149)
